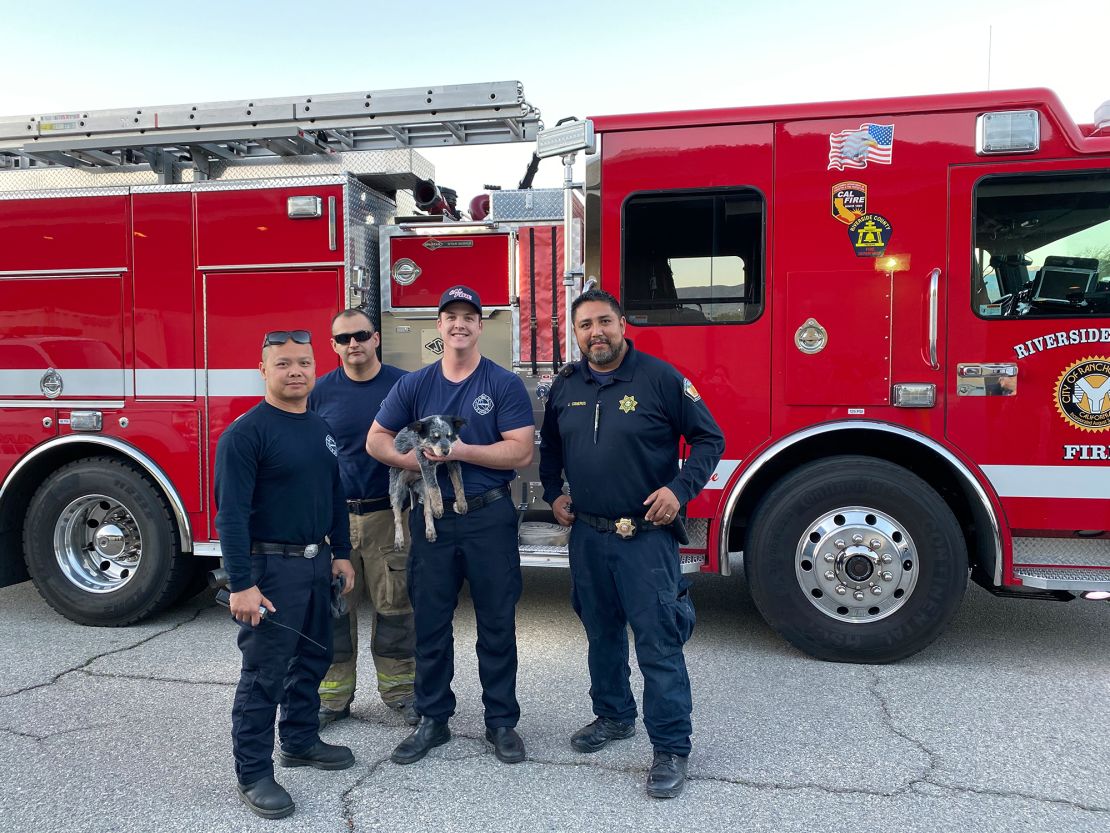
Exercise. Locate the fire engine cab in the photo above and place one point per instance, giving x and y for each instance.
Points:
(898, 311)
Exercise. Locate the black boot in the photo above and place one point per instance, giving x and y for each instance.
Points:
(329, 716)
(596, 735)
(667, 775)
(321, 756)
(427, 736)
(507, 744)
(267, 798)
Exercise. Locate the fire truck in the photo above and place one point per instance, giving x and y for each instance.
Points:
(898, 311)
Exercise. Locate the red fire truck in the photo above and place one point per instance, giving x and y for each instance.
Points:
(898, 310)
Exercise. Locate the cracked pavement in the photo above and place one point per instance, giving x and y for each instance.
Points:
(996, 727)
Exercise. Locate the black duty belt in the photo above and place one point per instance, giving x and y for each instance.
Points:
(289, 550)
(364, 506)
(626, 527)
(484, 499)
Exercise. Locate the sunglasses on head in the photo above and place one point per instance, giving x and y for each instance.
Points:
(275, 337)
(346, 338)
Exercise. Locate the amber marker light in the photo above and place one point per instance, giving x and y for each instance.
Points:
(892, 263)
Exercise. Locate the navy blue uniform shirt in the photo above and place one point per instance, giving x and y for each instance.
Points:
(277, 481)
(349, 407)
(492, 400)
(617, 442)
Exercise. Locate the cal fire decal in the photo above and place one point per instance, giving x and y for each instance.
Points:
(867, 144)
(849, 201)
(1083, 394)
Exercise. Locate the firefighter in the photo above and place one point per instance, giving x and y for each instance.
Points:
(348, 398)
(280, 502)
(612, 425)
(480, 545)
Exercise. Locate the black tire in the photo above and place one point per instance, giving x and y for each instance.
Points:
(802, 532)
(100, 545)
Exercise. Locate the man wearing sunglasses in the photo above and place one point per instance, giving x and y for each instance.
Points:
(479, 546)
(282, 519)
(349, 398)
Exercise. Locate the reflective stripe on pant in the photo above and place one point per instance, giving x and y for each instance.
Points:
(481, 547)
(279, 667)
(617, 582)
(380, 573)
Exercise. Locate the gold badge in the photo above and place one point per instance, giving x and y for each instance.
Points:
(628, 404)
(625, 528)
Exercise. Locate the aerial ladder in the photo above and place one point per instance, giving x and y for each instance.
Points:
(188, 141)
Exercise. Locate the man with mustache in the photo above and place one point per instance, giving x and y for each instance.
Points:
(612, 425)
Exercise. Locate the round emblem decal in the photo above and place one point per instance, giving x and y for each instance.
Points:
(329, 441)
(483, 404)
(51, 384)
(1083, 394)
(405, 271)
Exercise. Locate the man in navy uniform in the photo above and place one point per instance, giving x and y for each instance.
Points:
(612, 425)
(283, 531)
(479, 546)
(348, 398)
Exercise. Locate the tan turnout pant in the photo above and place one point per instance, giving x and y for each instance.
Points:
(380, 575)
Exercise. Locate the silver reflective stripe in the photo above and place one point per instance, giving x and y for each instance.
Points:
(720, 477)
(180, 383)
(1050, 481)
(176, 383)
(235, 383)
(75, 383)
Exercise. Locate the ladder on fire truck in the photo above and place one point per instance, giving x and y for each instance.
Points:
(197, 135)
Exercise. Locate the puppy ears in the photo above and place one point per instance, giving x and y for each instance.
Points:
(416, 426)
(458, 422)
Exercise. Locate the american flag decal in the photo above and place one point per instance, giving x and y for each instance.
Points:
(855, 148)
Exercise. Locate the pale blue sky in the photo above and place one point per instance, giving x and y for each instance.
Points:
(577, 59)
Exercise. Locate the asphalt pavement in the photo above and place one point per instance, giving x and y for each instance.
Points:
(999, 726)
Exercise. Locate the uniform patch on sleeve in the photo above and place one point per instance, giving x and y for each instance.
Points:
(689, 389)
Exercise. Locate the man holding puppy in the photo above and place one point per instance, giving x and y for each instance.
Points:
(480, 545)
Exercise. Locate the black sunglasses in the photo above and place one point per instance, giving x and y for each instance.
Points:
(275, 337)
(345, 338)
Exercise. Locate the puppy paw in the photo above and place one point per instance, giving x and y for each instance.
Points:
(436, 502)
(460, 506)
(430, 533)
(398, 543)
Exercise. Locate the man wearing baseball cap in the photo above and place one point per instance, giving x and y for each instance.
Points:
(480, 545)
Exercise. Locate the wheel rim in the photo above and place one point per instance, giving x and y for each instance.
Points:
(98, 543)
(857, 564)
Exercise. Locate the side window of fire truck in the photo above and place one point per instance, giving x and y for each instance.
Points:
(1042, 246)
(693, 258)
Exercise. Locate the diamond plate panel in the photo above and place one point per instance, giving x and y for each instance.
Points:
(1062, 551)
(382, 169)
(1076, 580)
(365, 211)
(698, 531)
(526, 204)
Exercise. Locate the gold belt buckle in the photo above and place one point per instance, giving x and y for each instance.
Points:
(625, 528)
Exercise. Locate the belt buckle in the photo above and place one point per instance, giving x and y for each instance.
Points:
(625, 528)
(311, 550)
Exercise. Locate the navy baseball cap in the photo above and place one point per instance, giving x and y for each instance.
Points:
(461, 293)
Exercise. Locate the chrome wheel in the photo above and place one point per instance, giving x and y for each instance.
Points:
(98, 543)
(856, 564)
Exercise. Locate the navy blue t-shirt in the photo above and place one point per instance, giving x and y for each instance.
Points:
(277, 482)
(350, 407)
(492, 400)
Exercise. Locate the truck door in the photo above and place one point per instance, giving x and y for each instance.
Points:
(1029, 349)
(685, 246)
(263, 267)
